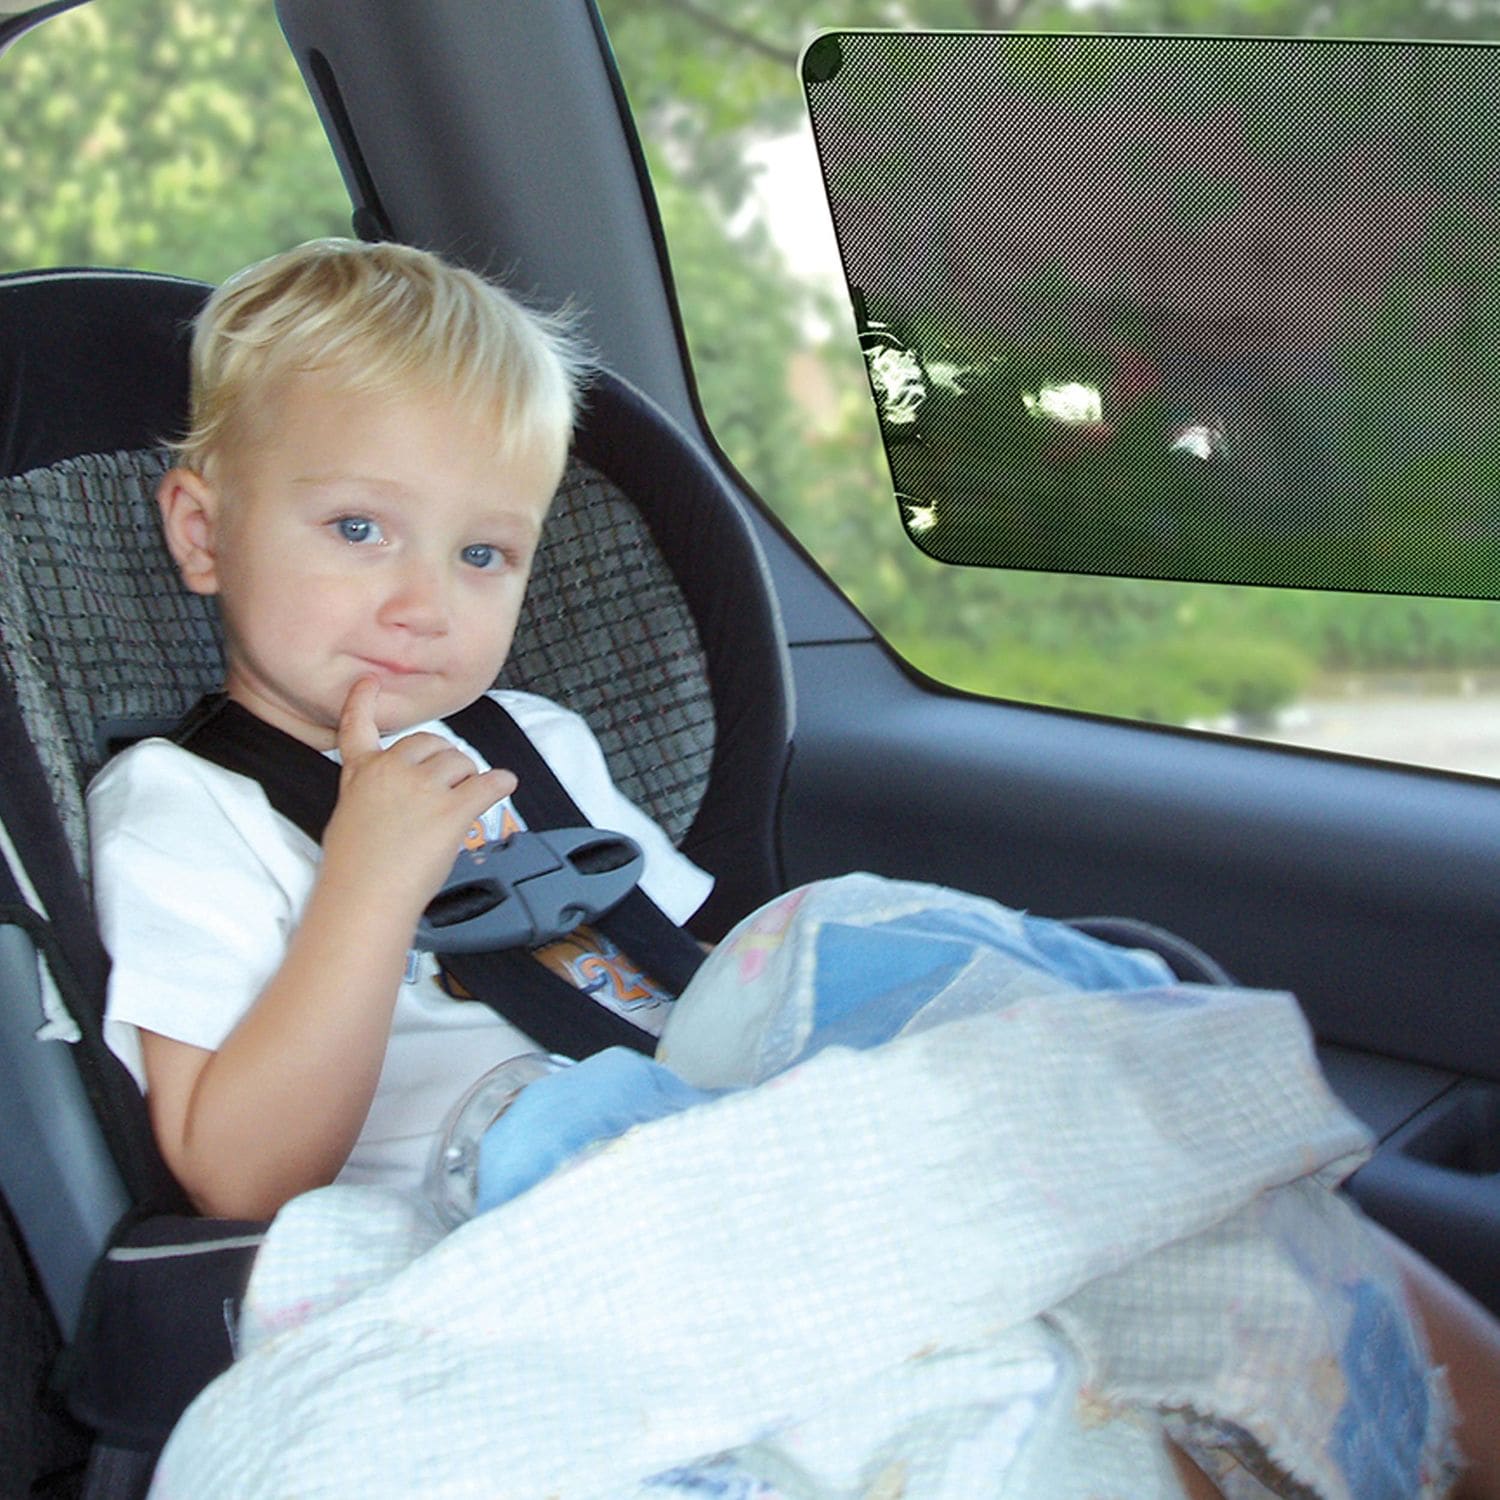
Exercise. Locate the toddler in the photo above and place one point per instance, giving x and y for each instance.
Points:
(375, 439)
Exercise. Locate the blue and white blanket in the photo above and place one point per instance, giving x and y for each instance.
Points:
(986, 1209)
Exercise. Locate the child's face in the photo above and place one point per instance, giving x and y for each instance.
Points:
(368, 536)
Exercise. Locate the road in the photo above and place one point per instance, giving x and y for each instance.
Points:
(1447, 733)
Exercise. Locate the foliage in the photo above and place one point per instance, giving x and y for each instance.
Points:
(704, 87)
(166, 136)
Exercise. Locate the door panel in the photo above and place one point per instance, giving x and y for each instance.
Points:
(1362, 889)
(1366, 890)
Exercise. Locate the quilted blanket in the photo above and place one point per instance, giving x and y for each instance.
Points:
(984, 1208)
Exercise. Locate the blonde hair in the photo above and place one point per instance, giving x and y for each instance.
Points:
(381, 319)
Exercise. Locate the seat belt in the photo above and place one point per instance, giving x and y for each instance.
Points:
(302, 785)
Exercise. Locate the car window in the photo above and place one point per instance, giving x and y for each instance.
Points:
(164, 135)
(176, 135)
(716, 93)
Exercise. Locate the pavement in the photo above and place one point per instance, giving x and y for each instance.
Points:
(1450, 733)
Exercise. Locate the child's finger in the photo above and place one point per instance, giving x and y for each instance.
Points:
(448, 763)
(357, 734)
(502, 782)
(491, 787)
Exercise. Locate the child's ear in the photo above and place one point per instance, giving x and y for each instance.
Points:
(189, 517)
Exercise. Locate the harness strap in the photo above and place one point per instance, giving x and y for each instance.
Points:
(303, 785)
(637, 924)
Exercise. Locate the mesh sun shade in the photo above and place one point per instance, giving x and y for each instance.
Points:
(1178, 307)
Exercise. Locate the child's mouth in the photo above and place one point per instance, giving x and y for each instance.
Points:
(394, 668)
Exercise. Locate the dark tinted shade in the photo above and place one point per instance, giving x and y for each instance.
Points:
(1175, 307)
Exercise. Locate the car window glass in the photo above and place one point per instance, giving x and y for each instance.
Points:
(163, 135)
(177, 136)
(716, 93)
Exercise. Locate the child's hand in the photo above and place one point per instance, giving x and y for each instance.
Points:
(402, 813)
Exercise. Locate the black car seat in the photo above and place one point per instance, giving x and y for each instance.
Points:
(650, 613)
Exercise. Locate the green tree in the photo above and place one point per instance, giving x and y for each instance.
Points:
(167, 136)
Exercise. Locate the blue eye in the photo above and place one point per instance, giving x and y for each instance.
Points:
(480, 555)
(358, 530)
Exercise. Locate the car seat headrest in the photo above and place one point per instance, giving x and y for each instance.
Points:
(91, 362)
(99, 639)
(649, 610)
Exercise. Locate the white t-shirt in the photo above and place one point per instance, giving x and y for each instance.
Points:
(199, 884)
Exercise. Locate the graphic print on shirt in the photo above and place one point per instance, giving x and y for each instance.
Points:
(589, 961)
(490, 827)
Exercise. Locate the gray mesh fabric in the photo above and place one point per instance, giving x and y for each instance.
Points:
(605, 631)
(96, 630)
(94, 625)
(1213, 308)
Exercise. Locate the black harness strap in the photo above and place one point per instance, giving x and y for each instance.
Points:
(303, 785)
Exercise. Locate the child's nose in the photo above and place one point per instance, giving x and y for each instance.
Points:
(417, 600)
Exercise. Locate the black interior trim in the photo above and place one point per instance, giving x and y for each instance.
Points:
(1366, 889)
(12, 28)
(370, 219)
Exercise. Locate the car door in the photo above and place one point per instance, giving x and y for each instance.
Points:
(1363, 886)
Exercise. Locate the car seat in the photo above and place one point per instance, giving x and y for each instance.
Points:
(650, 613)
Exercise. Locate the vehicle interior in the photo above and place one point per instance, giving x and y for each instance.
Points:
(502, 135)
